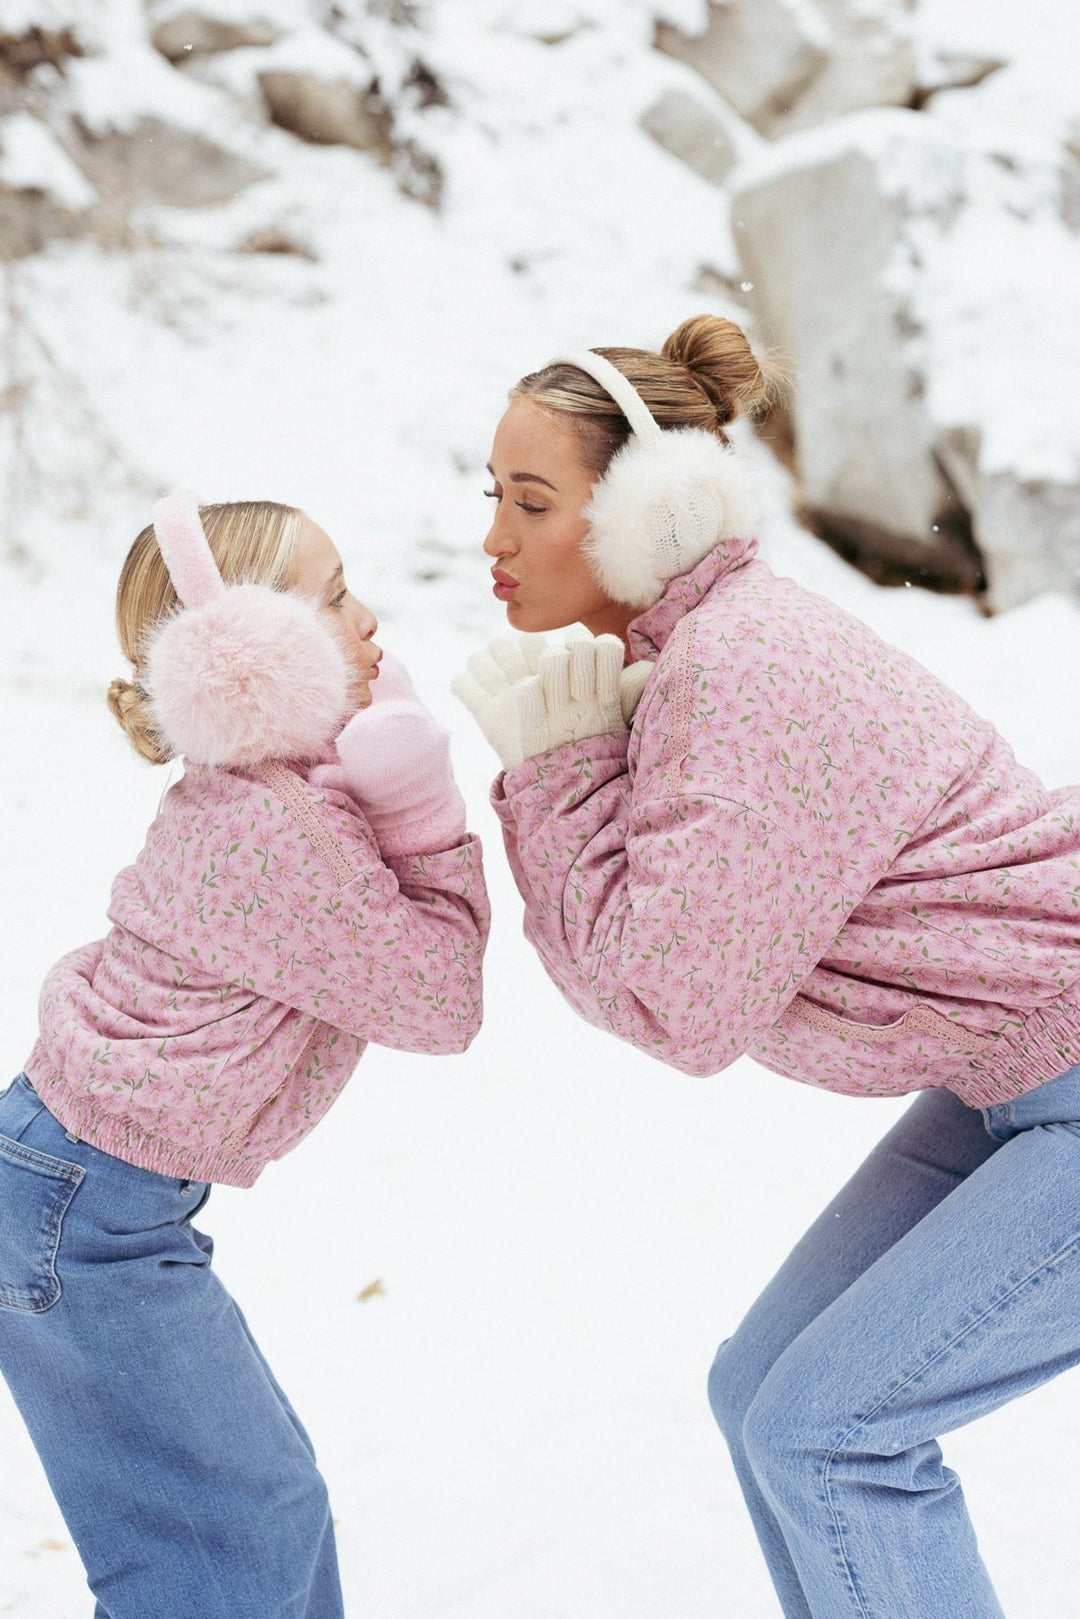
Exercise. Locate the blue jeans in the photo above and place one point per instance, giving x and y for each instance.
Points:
(940, 1283)
(188, 1485)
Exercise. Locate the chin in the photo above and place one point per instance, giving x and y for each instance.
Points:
(536, 621)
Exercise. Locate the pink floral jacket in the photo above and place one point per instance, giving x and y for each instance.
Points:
(807, 849)
(258, 943)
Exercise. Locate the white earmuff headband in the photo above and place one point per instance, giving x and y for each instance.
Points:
(621, 389)
(668, 497)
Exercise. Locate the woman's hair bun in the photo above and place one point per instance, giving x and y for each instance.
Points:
(718, 356)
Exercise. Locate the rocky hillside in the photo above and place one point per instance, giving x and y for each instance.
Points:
(888, 190)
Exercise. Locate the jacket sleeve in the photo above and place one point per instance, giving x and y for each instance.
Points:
(636, 912)
(282, 892)
(681, 897)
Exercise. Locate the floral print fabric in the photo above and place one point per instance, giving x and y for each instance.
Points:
(259, 942)
(809, 849)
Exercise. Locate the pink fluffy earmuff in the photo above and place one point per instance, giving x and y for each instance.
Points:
(243, 673)
(669, 496)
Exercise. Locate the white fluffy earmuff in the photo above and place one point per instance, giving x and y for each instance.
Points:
(667, 499)
(241, 673)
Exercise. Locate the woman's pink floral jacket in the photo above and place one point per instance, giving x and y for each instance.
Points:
(808, 849)
(259, 942)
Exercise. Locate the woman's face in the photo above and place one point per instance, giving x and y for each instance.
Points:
(317, 573)
(541, 488)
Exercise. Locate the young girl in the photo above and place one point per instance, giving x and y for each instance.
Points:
(283, 913)
(809, 849)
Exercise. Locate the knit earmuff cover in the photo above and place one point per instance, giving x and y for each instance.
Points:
(240, 673)
(669, 496)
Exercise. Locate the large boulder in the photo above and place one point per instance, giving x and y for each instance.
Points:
(786, 65)
(818, 237)
(926, 438)
(759, 54)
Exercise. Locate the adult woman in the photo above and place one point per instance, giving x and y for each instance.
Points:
(808, 849)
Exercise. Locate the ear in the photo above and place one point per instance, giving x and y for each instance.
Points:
(664, 504)
(252, 674)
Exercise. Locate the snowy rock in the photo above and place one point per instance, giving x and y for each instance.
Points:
(342, 112)
(328, 112)
(1070, 180)
(183, 35)
(786, 65)
(760, 54)
(952, 70)
(678, 122)
(32, 159)
(866, 65)
(159, 162)
(1028, 529)
(43, 196)
(893, 268)
(22, 49)
(818, 238)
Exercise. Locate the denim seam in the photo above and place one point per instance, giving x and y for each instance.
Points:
(1036, 1270)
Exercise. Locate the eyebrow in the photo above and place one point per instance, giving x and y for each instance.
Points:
(338, 573)
(526, 477)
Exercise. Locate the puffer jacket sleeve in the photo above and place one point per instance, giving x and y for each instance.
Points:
(281, 890)
(680, 891)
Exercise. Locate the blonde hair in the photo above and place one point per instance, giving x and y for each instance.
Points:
(251, 540)
(705, 376)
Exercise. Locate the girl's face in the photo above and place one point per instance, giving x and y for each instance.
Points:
(541, 488)
(317, 573)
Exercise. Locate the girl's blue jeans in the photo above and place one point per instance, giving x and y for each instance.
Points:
(184, 1476)
(941, 1282)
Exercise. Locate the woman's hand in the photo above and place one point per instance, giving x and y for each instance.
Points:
(529, 697)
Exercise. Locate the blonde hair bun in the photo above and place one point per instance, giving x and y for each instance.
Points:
(130, 708)
(718, 355)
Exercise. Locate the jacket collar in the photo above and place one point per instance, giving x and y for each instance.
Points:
(648, 632)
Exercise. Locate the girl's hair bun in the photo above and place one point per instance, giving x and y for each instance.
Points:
(130, 707)
(718, 356)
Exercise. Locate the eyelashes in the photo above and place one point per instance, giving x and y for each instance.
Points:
(523, 504)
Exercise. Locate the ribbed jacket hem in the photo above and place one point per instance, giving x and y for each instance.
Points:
(1045, 1045)
(123, 1138)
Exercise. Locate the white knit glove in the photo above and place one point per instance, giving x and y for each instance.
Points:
(529, 697)
(487, 687)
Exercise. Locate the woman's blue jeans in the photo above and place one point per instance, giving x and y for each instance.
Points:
(941, 1282)
(188, 1485)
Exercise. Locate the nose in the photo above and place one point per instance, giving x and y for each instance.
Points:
(498, 542)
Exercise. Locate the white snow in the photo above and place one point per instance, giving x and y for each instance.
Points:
(515, 1424)
(32, 159)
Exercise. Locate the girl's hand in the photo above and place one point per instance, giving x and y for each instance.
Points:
(394, 760)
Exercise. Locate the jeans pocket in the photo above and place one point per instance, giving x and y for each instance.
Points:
(35, 1192)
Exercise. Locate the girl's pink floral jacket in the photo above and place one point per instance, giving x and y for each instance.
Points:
(807, 849)
(259, 942)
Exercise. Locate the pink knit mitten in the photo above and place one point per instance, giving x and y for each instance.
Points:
(395, 758)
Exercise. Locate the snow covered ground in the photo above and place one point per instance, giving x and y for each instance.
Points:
(513, 1422)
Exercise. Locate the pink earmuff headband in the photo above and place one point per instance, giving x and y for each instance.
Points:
(239, 675)
(186, 551)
